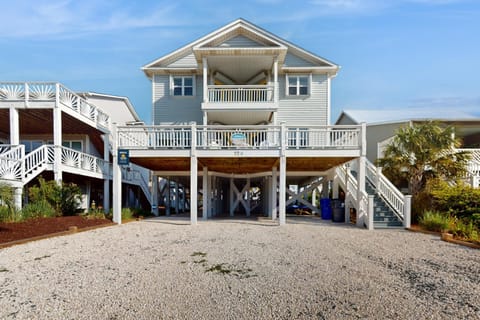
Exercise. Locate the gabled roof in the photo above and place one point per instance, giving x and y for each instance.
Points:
(125, 100)
(212, 42)
(383, 116)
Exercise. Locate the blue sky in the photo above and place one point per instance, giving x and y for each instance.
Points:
(393, 53)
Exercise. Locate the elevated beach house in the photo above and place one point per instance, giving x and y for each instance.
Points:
(241, 121)
(50, 131)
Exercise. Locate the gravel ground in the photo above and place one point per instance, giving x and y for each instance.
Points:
(239, 269)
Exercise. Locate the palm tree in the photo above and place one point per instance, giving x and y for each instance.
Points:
(422, 152)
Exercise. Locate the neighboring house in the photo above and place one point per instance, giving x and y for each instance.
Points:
(242, 109)
(383, 124)
(47, 130)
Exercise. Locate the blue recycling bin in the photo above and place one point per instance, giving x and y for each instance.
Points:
(326, 209)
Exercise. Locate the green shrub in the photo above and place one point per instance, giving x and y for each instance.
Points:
(95, 213)
(127, 213)
(64, 198)
(8, 213)
(465, 230)
(459, 200)
(436, 221)
(38, 209)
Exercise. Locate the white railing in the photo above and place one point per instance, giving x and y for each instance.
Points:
(32, 92)
(25, 168)
(37, 158)
(245, 93)
(392, 196)
(10, 164)
(76, 159)
(225, 137)
(247, 137)
(323, 137)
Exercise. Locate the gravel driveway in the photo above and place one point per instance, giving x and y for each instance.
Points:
(239, 269)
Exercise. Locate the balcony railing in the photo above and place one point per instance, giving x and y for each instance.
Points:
(238, 94)
(35, 92)
(239, 137)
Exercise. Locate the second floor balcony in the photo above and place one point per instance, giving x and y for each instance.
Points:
(230, 97)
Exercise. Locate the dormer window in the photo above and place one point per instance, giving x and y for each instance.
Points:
(297, 85)
(183, 86)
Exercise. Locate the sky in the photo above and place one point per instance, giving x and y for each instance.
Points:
(392, 53)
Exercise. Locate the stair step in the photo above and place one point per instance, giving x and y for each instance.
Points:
(384, 225)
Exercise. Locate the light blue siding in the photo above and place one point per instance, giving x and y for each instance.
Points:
(187, 61)
(309, 110)
(178, 110)
(295, 61)
(240, 42)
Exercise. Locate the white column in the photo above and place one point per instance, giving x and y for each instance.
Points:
(275, 80)
(193, 189)
(17, 198)
(282, 190)
(273, 204)
(370, 209)
(361, 210)
(335, 187)
(177, 199)
(14, 126)
(193, 177)
(106, 170)
(232, 201)
(88, 195)
(247, 209)
(154, 200)
(314, 197)
(117, 181)
(268, 196)
(407, 211)
(206, 193)
(205, 80)
(57, 137)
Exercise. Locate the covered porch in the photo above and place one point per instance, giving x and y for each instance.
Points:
(226, 163)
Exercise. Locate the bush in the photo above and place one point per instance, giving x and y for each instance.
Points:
(127, 214)
(8, 213)
(38, 209)
(64, 198)
(436, 221)
(460, 200)
(465, 230)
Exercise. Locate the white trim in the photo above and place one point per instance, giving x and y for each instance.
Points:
(183, 86)
(298, 76)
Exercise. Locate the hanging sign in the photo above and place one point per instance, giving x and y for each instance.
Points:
(123, 157)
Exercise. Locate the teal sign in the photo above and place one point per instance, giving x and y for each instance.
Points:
(123, 157)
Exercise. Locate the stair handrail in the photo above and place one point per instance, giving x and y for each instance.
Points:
(37, 158)
(394, 198)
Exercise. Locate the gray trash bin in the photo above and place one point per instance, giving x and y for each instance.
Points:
(338, 210)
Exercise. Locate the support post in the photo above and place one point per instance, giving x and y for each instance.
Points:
(177, 198)
(248, 207)
(193, 189)
(378, 173)
(167, 202)
(275, 80)
(193, 177)
(17, 198)
(14, 126)
(274, 194)
(371, 204)
(206, 196)
(57, 136)
(205, 82)
(282, 190)
(154, 200)
(117, 181)
(361, 190)
(232, 201)
(106, 170)
(407, 214)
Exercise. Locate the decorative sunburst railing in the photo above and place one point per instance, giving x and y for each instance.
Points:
(32, 93)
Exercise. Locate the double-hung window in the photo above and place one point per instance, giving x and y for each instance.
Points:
(298, 85)
(183, 86)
